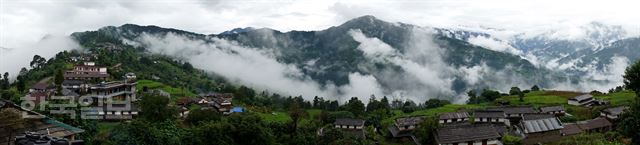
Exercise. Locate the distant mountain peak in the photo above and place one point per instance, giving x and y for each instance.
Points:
(364, 20)
(237, 30)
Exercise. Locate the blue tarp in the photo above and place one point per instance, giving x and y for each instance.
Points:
(238, 109)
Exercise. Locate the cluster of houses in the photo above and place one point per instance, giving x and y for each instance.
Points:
(586, 100)
(533, 126)
(90, 86)
(220, 102)
(488, 126)
(37, 123)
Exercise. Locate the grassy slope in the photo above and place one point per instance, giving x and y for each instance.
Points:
(550, 98)
(175, 92)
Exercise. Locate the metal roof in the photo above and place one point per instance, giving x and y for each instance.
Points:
(349, 121)
(615, 110)
(454, 115)
(582, 97)
(541, 125)
(551, 109)
(464, 133)
(489, 114)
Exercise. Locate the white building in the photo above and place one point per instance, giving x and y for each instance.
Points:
(474, 134)
(581, 100)
(495, 116)
(453, 117)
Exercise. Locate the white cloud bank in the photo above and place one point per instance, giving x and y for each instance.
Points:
(256, 68)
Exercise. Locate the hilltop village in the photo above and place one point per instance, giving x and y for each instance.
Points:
(114, 96)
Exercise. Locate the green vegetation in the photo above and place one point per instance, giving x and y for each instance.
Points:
(591, 139)
(618, 98)
(174, 92)
(630, 120)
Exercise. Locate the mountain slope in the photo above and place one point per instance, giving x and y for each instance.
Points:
(418, 62)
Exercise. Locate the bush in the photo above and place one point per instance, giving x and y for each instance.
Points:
(565, 119)
(511, 140)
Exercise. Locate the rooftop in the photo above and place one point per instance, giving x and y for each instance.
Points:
(615, 110)
(85, 75)
(454, 115)
(408, 121)
(582, 97)
(571, 129)
(464, 133)
(536, 116)
(515, 109)
(489, 114)
(349, 121)
(594, 123)
(541, 125)
(551, 109)
(40, 86)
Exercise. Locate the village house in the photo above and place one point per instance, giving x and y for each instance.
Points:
(468, 134)
(38, 123)
(582, 100)
(351, 126)
(111, 100)
(570, 129)
(599, 124)
(555, 110)
(87, 71)
(42, 87)
(488, 116)
(453, 117)
(34, 138)
(539, 128)
(222, 102)
(514, 111)
(403, 127)
(613, 113)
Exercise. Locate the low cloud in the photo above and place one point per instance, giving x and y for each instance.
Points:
(13, 59)
(255, 67)
(591, 78)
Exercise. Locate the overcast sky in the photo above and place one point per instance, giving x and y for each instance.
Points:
(25, 22)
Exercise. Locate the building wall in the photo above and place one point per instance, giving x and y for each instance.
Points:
(572, 102)
(542, 137)
(489, 142)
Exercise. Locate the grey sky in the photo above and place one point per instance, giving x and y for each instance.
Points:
(25, 22)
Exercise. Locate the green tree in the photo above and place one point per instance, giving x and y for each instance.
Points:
(384, 103)
(355, 106)
(5, 81)
(632, 78)
(409, 106)
(20, 85)
(535, 88)
(514, 91)
(427, 129)
(155, 108)
(521, 96)
(630, 120)
(473, 98)
(435, 103)
(490, 95)
(296, 114)
(200, 115)
(511, 140)
(59, 78)
(37, 62)
(330, 135)
(212, 132)
(373, 104)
